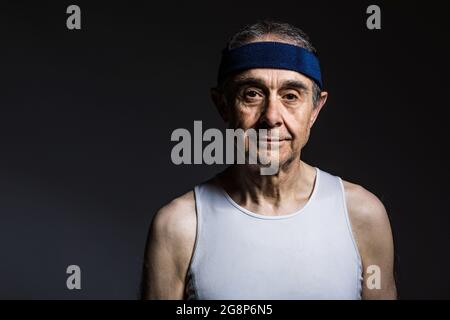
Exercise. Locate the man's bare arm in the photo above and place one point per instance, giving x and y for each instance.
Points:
(169, 248)
(372, 231)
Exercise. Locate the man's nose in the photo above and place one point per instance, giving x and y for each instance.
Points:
(271, 115)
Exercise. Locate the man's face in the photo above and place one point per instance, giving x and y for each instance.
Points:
(274, 99)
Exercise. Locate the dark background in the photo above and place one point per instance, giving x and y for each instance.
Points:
(86, 118)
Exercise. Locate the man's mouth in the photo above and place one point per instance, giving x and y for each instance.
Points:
(274, 140)
(269, 139)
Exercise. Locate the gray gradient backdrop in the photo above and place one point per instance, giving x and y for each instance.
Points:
(86, 118)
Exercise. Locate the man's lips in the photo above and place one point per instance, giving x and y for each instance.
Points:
(268, 139)
(272, 141)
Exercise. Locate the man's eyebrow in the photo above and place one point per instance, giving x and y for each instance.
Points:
(248, 82)
(295, 84)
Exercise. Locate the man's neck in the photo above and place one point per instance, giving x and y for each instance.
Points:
(275, 194)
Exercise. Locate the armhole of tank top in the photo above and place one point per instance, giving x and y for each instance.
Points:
(193, 262)
(352, 236)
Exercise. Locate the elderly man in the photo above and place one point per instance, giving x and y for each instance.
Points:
(301, 233)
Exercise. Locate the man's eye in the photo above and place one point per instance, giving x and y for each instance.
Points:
(251, 94)
(291, 96)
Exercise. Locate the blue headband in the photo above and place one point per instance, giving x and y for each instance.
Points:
(275, 55)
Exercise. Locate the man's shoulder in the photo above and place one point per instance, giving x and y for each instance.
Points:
(364, 207)
(176, 220)
(368, 216)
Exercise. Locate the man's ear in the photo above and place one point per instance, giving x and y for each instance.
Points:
(218, 98)
(316, 109)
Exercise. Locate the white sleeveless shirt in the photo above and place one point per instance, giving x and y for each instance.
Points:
(309, 254)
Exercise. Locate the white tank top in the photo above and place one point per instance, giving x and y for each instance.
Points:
(309, 254)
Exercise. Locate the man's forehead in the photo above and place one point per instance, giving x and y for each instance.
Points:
(273, 77)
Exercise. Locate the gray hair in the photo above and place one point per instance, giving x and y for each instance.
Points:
(286, 32)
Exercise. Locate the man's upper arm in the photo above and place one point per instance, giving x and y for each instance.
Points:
(169, 248)
(372, 231)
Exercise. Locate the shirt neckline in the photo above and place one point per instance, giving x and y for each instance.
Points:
(279, 217)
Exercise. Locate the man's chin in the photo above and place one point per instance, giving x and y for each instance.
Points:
(265, 159)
